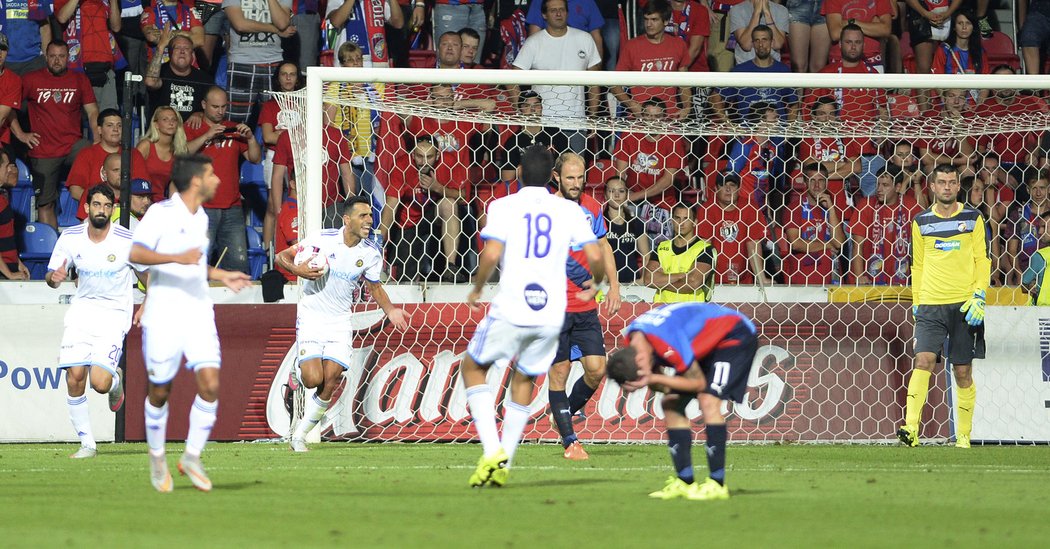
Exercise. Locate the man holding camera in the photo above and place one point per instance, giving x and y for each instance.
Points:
(813, 230)
(409, 194)
(226, 143)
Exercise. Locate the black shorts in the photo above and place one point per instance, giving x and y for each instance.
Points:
(940, 326)
(727, 367)
(583, 330)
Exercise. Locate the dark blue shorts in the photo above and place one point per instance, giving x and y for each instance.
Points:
(582, 331)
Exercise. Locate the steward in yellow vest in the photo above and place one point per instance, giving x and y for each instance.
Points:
(681, 269)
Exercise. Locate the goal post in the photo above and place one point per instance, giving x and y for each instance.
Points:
(836, 344)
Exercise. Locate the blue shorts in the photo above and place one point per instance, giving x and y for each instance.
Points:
(581, 335)
(1035, 32)
(806, 12)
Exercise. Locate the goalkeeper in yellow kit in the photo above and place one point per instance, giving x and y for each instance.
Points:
(950, 273)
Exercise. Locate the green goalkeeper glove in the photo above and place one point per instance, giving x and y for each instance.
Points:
(974, 308)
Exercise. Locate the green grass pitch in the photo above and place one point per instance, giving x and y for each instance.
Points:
(416, 495)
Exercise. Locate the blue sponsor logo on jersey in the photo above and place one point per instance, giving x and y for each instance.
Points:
(947, 245)
(535, 296)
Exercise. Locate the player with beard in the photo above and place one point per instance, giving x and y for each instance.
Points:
(582, 329)
(100, 313)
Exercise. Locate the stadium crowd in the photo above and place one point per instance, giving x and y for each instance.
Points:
(750, 209)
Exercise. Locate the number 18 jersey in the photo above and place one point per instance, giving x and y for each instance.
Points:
(537, 230)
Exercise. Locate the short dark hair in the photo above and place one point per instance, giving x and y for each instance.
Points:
(762, 28)
(813, 167)
(944, 168)
(654, 103)
(349, 204)
(469, 31)
(537, 164)
(621, 366)
(689, 210)
(543, 5)
(60, 43)
(106, 113)
(852, 27)
(894, 173)
(824, 100)
(186, 167)
(660, 7)
(102, 189)
(449, 33)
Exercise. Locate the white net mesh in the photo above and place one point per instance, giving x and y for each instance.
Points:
(804, 194)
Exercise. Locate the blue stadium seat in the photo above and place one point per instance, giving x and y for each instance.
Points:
(67, 208)
(21, 197)
(255, 194)
(256, 254)
(36, 243)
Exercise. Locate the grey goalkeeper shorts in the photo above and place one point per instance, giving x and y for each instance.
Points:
(943, 330)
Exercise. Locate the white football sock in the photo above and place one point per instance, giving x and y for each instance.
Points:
(202, 419)
(313, 411)
(515, 419)
(156, 427)
(78, 414)
(482, 404)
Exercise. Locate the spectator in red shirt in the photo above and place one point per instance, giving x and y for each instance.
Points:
(953, 111)
(286, 78)
(11, 266)
(872, 17)
(226, 143)
(649, 164)
(92, 46)
(655, 51)
(1016, 150)
(337, 179)
(55, 97)
(691, 21)
(813, 231)
(737, 230)
(287, 226)
(164, 139)
(10, 94)
(854, 104)
(881, 233)
(840, 157)
(409, 194)
(87, 168)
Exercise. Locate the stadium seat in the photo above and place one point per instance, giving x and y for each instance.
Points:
(254, 193)
(422, 59)
(67, 208)
(36, 243)
(256, 254)
(21, 197)
(1001, 51)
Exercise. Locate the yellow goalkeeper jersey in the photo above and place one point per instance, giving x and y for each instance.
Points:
(950, 256)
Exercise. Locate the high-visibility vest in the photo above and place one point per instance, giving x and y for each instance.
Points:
(672, 263)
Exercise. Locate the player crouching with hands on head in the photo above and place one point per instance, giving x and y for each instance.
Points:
(711, 349)
(323, 315)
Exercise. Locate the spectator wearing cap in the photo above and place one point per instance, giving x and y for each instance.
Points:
(732, 224)
(141, 200)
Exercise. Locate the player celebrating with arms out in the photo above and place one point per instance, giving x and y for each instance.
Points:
(322, 324)
(711, 349)
(100, 313)
(529, 234)
(950, 272)
(582, 328)
(179, 317)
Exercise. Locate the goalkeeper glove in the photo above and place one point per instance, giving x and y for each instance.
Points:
(974, 308)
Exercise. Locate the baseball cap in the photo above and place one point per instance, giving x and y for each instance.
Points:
(724, 178)
(141, 186)
(3, 41)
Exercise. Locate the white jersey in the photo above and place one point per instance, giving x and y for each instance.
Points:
(169, 228)
(536, 228)
(326, 301)
(574, 51)
(104, 290)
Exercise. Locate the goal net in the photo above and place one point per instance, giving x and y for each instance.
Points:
(793, 203)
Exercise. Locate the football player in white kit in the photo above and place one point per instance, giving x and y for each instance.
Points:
(529, 234)
(100, 313)
(323, 315)
(178, 317)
